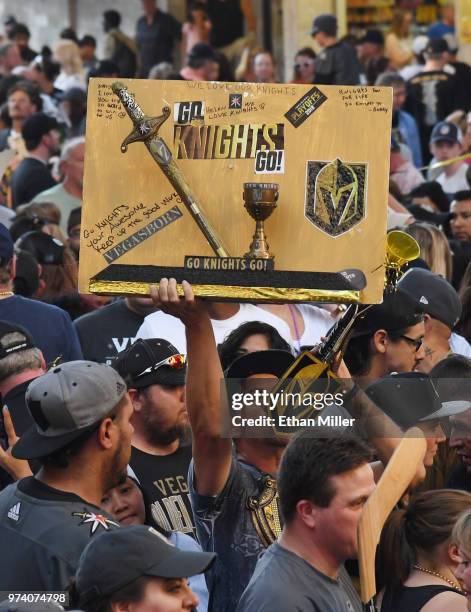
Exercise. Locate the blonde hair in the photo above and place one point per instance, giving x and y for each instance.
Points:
(434, 248)
(462, 532)
(67, 53)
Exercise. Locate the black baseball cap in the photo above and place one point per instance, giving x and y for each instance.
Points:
(436, 46)
(116, 558)
(373, 36)
(38, 125)
(326, 23)
(445, 130)
(272, 361)
(6, 243)
(43, 247)
(396, 312)
(66, 402)
(7, 327)
(435, 295)
(411, 398)
(152, 361)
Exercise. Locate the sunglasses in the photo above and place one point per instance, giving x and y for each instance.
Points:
(417, 343)
(176, 362)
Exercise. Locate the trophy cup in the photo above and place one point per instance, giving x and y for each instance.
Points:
(260, 201)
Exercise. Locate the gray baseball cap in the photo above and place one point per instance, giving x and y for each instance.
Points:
(65, 403)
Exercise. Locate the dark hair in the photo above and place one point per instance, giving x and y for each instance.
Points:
(308, 52)
(194, 5)
(61, 458)
(48, 67)
(69, 34)
(309, 463)
(229, 349)
(426, 523)
(112, 18)
(4, 115)
(434, 191)
(132, 592)
(358, 353)
(453, 366)
(460, 196)
(31, 90)
(104, 68)
(226, 73)
(448, 375)
(200, 54)
(87, 41)
(20, 28)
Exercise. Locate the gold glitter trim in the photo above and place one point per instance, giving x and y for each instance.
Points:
(258, 294)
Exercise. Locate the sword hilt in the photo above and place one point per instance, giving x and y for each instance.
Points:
(145, 128)
(128, 100)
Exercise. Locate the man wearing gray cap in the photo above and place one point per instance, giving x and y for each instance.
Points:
(442, 307)
(82, 438)
(337, 63)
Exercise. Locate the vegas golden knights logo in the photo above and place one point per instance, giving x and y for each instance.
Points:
(336, 195)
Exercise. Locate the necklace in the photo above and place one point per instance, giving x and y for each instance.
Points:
(438, 575)
(5, 293)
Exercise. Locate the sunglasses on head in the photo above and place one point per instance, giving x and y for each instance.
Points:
(176, 362)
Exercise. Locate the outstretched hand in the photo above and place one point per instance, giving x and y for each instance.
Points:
(17, 468)
(188, 309)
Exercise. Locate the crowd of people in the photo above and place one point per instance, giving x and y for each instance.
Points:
(118, 485)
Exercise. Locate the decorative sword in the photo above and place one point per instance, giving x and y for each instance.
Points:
(146, 130)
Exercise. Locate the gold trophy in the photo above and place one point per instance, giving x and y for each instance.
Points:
(260, 201)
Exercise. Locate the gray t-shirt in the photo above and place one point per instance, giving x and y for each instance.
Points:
(284, 581)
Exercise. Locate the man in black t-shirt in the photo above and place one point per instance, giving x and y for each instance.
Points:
(107, 331)
(41, 136)
(337, 63)
(432, 94)
(155, 373)
(156, 33)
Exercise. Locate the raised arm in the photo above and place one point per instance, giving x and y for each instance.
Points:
(212, 454)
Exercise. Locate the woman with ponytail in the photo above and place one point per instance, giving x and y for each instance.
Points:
(417, 558)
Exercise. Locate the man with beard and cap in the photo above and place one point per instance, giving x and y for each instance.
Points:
(155, 373)
(82, 438)
(233, 486)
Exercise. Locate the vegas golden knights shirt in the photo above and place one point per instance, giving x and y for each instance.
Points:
(163, 479)
(43, 532)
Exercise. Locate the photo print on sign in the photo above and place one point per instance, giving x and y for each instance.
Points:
(335, 195)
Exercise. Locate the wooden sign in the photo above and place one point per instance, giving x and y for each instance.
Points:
(251, 192)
